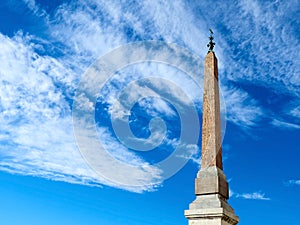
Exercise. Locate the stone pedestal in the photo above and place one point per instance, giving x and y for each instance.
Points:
(210, 206)
(217, 216)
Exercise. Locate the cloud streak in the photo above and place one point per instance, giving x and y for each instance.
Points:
(253, 196)
(292, 182)
(285, 125)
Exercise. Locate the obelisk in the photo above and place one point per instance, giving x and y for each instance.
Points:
(211, 188)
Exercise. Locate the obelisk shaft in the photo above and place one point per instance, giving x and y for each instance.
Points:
(211, 125)
(210, 179)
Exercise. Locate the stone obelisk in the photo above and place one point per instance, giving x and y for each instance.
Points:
(211, 188)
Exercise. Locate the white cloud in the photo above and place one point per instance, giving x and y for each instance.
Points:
(283, 124)
(231, 192)
(88, 31)
(31, 4)
(192, 153)
(119, 168)
(36, 129)
(254, 196)
(257, 195)
(241, 109)
(37, 133)
(175, 22)
(264, 54)
(295, 112)
(292, 182)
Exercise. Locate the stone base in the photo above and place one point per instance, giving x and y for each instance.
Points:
(217, 216)
(212, 201)
(211, 180)
(210, 206)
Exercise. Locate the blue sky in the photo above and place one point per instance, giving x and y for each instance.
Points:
(46, 48)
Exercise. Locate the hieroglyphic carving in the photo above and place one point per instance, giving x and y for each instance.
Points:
(211, 131)
(207, 121)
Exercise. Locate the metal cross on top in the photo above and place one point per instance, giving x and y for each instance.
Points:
(211, 44)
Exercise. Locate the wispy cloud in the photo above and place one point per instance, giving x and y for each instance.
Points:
(31, 4)
(292, 182)
(36, 131)
(254, 196)
(257, 195)
(241, 109)
(231, 192)
(285, 125)
(295, 112)
(268, 57)
(37, 135)
(193, 154)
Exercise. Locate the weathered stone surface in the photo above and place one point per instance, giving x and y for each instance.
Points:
(211, 201)
(211, 180)
(211, 216)
(211, 124)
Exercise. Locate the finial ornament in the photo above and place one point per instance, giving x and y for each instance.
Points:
(211, 44)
